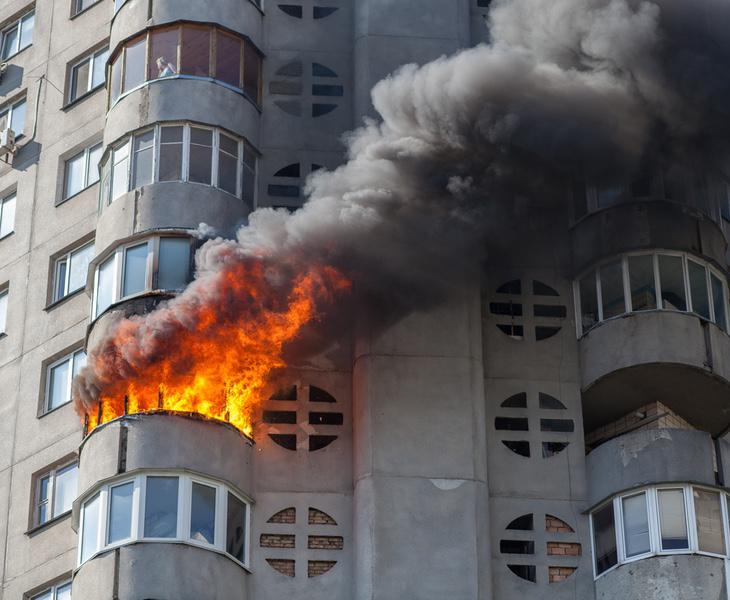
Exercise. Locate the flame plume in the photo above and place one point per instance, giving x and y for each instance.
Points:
(222, 339)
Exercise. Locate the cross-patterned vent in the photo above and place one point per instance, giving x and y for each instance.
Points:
(538, 310)
(315, 86)
(524, 548)
(302, 418)
(300, 11)
(287, 181)
(513, 425)
(280, 540)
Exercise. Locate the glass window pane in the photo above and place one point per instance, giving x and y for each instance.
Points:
(105, 286)
(612, 289)
(163, 53)
(120, 512)
(44, 596)
(588, 301)
(79, 267)
(17, 118)
(604, 538)
(80, 79)
(251, 72)
(236, 528)
(672, 520)
(99, 75)
(609, 194)
(718, 301)
(120, 171)
(143, 158)
(93, 167)
(160, 511)
(26, 30)
(636, 525)
(90, 533)
(228, 59)
(171, 153)
(641, 279)
(202, 514)
(10, 42)
(135, 270)
(134, 64)
(173, 264)
(671, 277)
(7, 218)
(64, 492)
(60, 279)
(709, 521)
(195, 51)
(75, 174)
(63, 592)
(58, 384)
(3, 311)
(201, 155)
(42, 503)
(116, 83)
(79, 362)
(698, 289)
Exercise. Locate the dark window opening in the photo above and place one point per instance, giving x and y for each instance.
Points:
(316, 167)
(510, 309)
(323, 418)
(559, 425)
(317, 442)
(319, 395)
(514, 331)
(523, 523)
(521, 448)
(511, 287)
(284, 191)
(319, 89)
(288, 394)
(552, 448)
(290, 107)
(524, 571)
(516, 547)
(292, 69)
(511, 424)
(320, 12)
(547, 402)
(287, 441)
(319, 70)
(516, 401)
(292, 170)
(543, 333)
(319, 110)
(549, 310)
(292, 10)
(288, 417)
(542, 289)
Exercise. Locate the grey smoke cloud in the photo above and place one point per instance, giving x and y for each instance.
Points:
(565, 87)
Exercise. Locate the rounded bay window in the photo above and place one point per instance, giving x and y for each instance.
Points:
(186, 51)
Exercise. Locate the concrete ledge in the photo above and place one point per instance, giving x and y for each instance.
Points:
(240, 16)
(160, 570)
(643, 225)
(646, 457)
(670, 357)
(678, 577)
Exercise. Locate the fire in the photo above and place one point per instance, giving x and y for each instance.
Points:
(210, 351)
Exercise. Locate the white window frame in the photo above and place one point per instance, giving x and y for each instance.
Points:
(91, 58)
(53, 589)
(652, 499)
(19, 24)
(8, 109)
(66, 257)
(4, 292)
(243, 146)
(77, 9)
(628, 305)
(71, 357)
(151, 268)
(86, 152)
(51, 474)
(184, 502)
(3, 200)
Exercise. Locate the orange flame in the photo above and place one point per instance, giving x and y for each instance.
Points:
(221, 340)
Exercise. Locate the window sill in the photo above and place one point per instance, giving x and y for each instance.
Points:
(7, 235)
(53, 410)
(84, 11)
(18, 53)
(50, 523)
(60, 301)
(72, 103)
(72, 196)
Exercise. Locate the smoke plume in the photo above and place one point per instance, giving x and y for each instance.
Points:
(566, 88)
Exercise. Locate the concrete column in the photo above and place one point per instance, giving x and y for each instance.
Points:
(421, 526)
(390, 33)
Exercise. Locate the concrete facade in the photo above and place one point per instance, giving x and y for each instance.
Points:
(454, 463)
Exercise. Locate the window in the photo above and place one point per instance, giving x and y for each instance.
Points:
(7, 215)
(55, 492)
(157, 263)
(17, 36)
(655, 521)
(58, 379)
(165, 507)
(13, 117)
(187, 50)
(82, 171)
(653, 281)
(61, 591)
(71, 271)
(182, 152)
(88, 74)
(118, 4)
(79, 6)
(3, 310)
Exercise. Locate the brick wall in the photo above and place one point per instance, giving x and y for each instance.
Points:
(287, 516)
(325, 542)
(285, 567)
(276, 540)
(319, 567)
(563, 549)
(555, 525)
(560, 573)
(317, 517)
